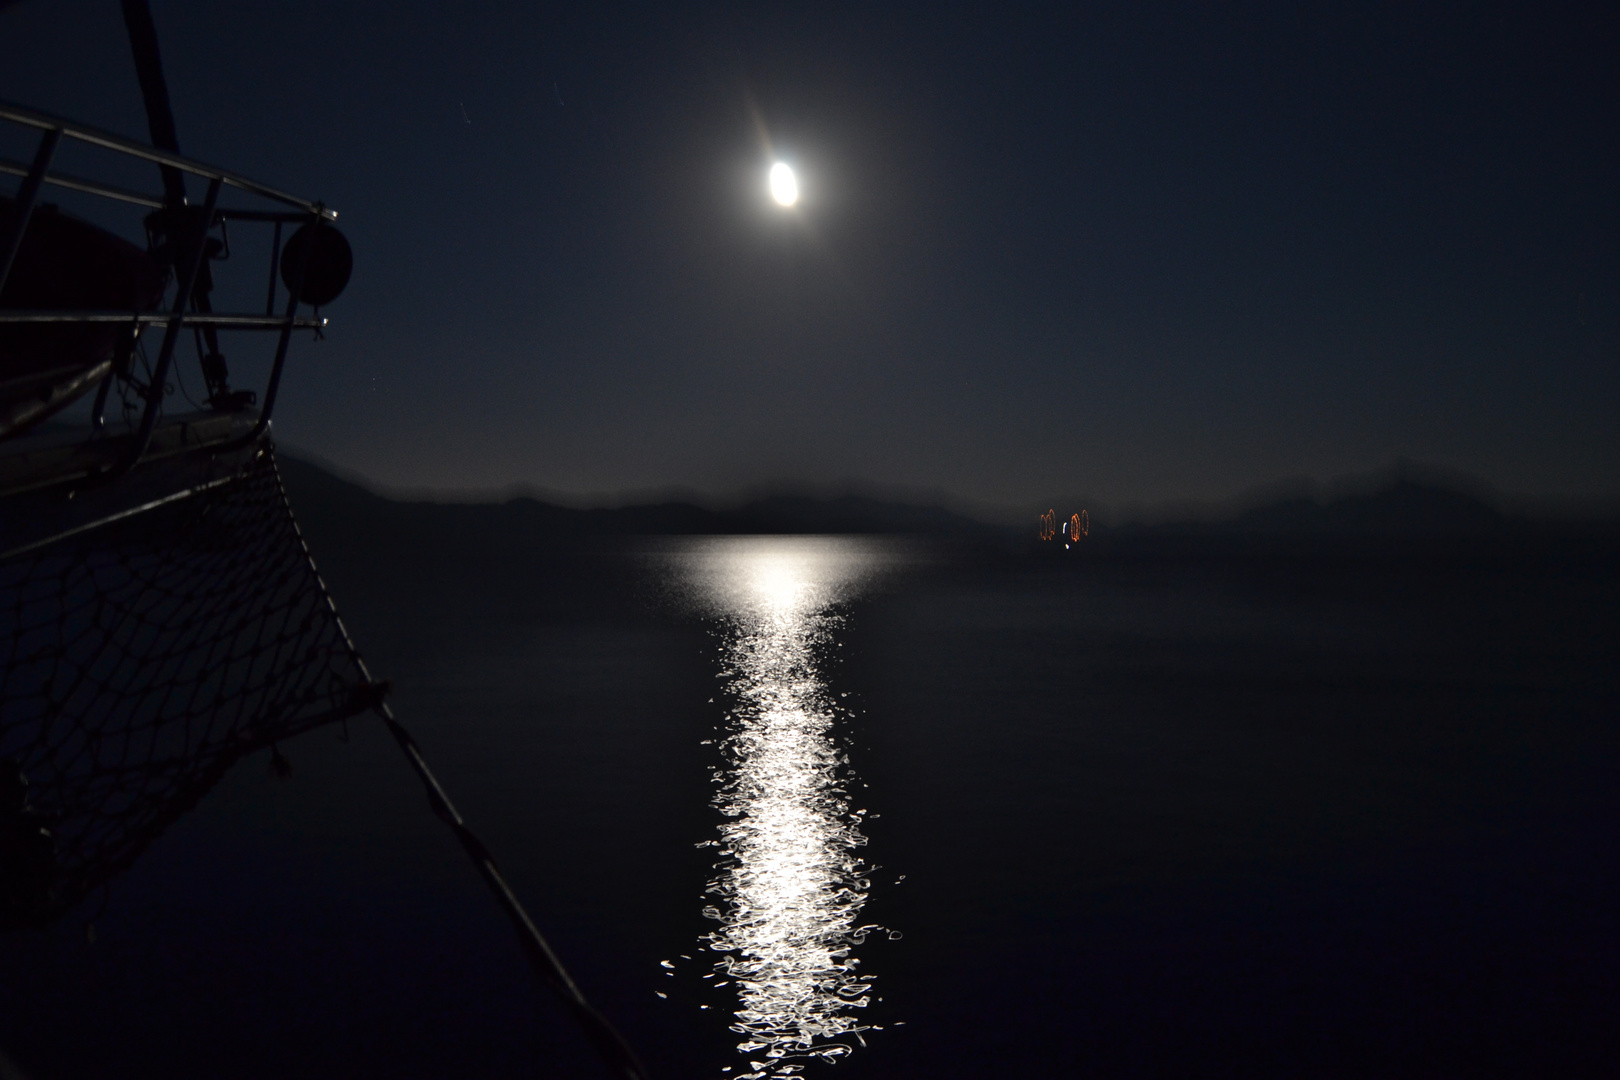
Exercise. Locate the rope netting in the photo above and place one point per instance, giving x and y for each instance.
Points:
(138, 661)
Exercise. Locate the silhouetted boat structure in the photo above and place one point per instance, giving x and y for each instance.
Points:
(160, 614)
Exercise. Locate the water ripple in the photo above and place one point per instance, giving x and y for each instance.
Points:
(790, 883)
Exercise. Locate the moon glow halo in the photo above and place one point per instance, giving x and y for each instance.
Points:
(784, 185)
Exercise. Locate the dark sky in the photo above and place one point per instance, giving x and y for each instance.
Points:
(1127, 250)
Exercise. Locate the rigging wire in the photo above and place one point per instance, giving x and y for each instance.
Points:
(609, 1045)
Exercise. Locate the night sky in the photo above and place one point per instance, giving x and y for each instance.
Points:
(1122, 251)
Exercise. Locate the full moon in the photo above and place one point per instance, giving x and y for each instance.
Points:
(784, 185)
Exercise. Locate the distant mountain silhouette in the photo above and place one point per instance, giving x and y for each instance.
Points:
(317, 492)
(1404, 506)
(1397, 504)
(852, 514)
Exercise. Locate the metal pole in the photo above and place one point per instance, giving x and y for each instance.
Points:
(182, 299)
(23, 209)
(275, 256)
(143, 43)
(86, 134)
(286, 333)
(98, 415)
(275, 370)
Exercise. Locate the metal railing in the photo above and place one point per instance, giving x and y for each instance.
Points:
(47, 123)
(189, 256)
(187, 260)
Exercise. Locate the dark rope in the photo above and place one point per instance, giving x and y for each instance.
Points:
(603, 1036)
(609, 1044)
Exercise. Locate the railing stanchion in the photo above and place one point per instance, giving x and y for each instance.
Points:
(23, 209)
(275, 256)
(286, 334)
(182, 300)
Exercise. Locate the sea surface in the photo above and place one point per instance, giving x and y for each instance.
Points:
(884, 807)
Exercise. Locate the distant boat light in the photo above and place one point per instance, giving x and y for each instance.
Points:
(784, 185)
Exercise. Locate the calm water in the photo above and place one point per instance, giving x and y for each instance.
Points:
(920, 811)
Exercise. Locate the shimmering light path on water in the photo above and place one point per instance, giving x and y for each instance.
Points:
(790, 882)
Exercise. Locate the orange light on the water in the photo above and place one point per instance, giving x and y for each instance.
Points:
(1071, 531)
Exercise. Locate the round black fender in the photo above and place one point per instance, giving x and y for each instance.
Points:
(326, 273)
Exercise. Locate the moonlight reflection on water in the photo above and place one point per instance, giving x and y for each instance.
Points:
(789, 881)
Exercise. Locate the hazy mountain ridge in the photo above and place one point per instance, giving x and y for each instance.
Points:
(319, 491)
(1392, 505)
(1399, 506)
